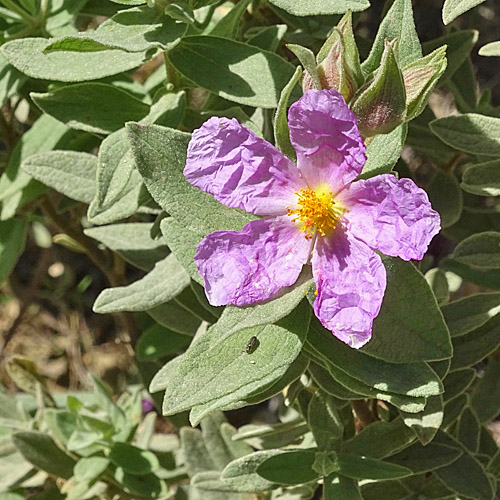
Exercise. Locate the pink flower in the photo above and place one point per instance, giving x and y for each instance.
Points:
(313, 211)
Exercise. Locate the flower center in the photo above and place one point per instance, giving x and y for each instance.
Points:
(316, 210)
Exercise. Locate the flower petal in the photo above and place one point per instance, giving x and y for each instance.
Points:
(393, 216)
(324, 133)
(240, 169)
(350, 279)
(249, 266)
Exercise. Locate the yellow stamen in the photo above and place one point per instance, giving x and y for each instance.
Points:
(316, 210)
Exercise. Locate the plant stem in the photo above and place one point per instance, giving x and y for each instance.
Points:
(363, 412)
(93, 253)
(172, 75)
(19, 11)
(42, 16)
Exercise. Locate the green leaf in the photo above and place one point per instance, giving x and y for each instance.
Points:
(454, 8)
(383, 152)
(469, 430)
(405, 331)
(163, 283)
(272, 435)
(439, 284)
(370, 468)
(398, 23)
(69, 172)
(237, 449)
(465, 476)
(98, 108)
(420, 459)
(325, 422)
(168, 110)
(464, 315)
(490, 49)
(482, 179)
(119, 183)
(214, 442)
(241, 474)
(232, 70)
(410, 404)
(45, 134)
(281, 129)
(336, 487)
(458, 382)
(320, 7)
(133, 242)
(158, 342)
(472, 133)
(388, 490)
(133, 460)
(446, 197)
(207, 482)
(11, 496)
(27, 55)
(453, 409)
(146, 485)
(176, 317)
(411, 379)
(237, 318)
(426, 423)
(62, 423)
(483, 277)
(308, 61)
(459, 45)
(183, 243)
(10, 80)
(474, 346)
(480, 250)
(163, 376)
(227, 27)
(90, 469)
(420, 77)
(160, 155)
(325, 381)
(196, 456)
(267, 38)
(133, 30)
(41, 450)
(215, 366)
(12, 240)
(380, 439)
(485, 399)
(289, 467)
(233, 402)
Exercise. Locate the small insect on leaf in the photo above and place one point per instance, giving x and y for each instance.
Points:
(252, 344)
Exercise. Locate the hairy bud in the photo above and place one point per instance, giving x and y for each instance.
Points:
(337, 63)
(380, 105)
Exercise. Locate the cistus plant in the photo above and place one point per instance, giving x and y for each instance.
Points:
(288, 208)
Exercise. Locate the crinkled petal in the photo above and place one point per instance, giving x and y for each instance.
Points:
(249, 266)
(324, 133)
(350, 280)
(393, 216)
(240, 169)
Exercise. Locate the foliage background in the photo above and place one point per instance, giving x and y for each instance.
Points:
(95, 219)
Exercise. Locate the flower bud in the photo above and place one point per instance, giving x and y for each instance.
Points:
(338, 62)
(420, 78)
(380, 105)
